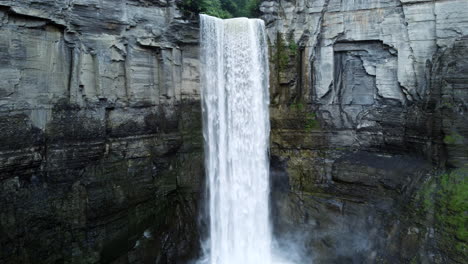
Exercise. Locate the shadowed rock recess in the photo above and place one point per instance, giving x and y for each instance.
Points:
(101, 147)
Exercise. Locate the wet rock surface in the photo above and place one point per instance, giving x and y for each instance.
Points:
(100, 140)
(368, 111)
(101, 153)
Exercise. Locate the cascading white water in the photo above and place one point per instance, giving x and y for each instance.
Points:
(236, 130)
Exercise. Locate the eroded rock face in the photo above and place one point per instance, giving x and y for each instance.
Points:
(100, 140)
(368, 107)
(101, 146)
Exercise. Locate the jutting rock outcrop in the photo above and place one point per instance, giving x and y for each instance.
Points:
(100, 132)
(369, 128)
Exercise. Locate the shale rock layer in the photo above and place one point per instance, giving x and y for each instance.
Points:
(100, 141)
(369, 103)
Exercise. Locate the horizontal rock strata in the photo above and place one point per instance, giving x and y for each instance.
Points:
(100, 141)
(368, 106)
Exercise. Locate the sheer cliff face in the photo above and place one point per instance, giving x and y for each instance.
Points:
(369, 98)
(100, 139)
(101, 145)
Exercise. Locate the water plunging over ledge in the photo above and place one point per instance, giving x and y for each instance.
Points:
(236, 131)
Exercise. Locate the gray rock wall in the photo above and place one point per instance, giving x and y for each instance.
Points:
(100, 139)
(101, 145)
(368, 107)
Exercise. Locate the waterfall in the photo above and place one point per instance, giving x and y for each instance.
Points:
(236, 131)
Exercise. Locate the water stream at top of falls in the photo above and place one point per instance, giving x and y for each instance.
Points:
(236, 131)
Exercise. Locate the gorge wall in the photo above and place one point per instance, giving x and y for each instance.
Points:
(369, 103)
(101, 152)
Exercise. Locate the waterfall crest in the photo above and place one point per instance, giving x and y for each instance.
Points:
(236, 131)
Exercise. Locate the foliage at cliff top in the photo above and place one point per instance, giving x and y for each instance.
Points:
(220, 8)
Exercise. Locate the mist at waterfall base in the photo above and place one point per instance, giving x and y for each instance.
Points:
(236, 127)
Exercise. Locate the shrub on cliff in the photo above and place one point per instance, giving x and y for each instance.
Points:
(220, 8)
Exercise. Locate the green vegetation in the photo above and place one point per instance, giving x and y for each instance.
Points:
(426, 196)
(221, 8)
(284, 50)
(309, 119)
(453, 138)
(281, 55)
(446, 198)
(297, 106)
(453, 208)
(293, 47)
(311, 122)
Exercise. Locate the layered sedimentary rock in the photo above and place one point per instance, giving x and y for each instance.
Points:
(369, 102)
(100, 132)
(101, 146)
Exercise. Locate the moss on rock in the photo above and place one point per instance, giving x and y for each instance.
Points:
(444, 202)
(452, 213)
